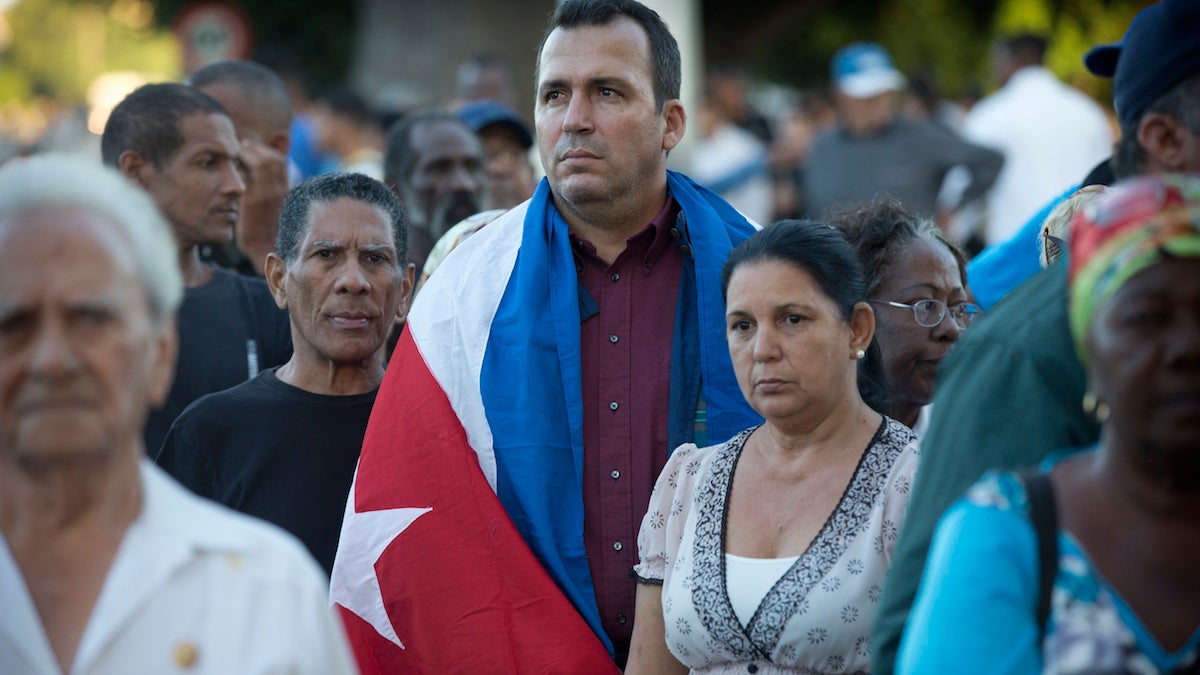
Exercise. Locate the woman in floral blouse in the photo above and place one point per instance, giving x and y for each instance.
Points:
(768, 553)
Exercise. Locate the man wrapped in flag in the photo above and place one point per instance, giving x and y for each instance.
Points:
(546, 371)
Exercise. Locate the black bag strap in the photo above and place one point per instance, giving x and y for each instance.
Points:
(1043, 513)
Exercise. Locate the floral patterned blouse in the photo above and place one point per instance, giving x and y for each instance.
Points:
(980, 616)
(817, 617)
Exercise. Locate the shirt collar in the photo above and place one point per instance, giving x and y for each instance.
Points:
(654, 239)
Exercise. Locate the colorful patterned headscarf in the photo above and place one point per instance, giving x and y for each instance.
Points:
(1123, 233)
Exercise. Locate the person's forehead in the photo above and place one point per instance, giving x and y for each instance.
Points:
(39, 240)
(208, 132)
(593, 51)
(922, 260)
(345, 218)
(443, 138)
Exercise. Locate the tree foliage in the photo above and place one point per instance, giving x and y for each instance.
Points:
(58, 47)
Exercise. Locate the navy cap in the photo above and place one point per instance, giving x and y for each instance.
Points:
(1161, 48)
(483, 113)
(864, 70)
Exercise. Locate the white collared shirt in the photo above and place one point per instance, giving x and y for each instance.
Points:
(1051, 136)
(194, 588)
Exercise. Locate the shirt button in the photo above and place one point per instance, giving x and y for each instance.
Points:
(613, 406)
(621, 618)
(615, 277)
(617, 546)
(613, 338)
(752, 668)
(675, 232)
(615, 475)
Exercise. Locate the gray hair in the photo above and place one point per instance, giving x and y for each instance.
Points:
(55, 179)
(879, 230)
(329, 187)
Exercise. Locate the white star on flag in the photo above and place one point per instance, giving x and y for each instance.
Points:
(354, 584)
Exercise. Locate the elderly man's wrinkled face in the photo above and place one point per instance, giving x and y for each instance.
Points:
(347, 286)
(81, 357)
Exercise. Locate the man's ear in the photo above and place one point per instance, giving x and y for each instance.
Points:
(133, 166)
(406, 291)
(676, 119)
(281, 141)
(276, 275)
(1163, 138)
(162, 373)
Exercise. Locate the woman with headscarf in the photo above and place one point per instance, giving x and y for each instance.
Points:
(1093, 564)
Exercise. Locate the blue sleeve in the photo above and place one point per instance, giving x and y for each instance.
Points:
(1002, 267)
(975, 610)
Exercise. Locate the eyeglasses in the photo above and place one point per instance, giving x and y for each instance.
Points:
(929, 312)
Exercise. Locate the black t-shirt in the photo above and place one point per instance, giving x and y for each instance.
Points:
(273, 451)
(229, 331)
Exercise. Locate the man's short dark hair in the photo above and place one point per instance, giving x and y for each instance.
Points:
(329, 187)
(346, 103)
(265, 90)
(1181, 102)
(399, 157)
(665, 63)
(148, 122)
(1027, 48)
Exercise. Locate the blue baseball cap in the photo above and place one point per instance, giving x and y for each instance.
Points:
(864, 69)
(1161, 47)
(486, 112)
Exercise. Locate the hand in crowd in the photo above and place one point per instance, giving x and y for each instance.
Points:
(265, 171)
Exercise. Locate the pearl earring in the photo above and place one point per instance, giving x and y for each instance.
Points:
(859, 354)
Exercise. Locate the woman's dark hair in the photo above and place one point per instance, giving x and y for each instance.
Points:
(828, 258)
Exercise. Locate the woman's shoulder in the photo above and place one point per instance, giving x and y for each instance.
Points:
(689, 462)
(1002, 490)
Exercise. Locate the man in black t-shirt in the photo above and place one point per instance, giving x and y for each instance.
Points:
(180, 146)
(284, 445)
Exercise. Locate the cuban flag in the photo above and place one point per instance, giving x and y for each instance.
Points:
(462, 544)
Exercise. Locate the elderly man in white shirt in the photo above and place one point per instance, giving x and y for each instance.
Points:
(107, 565)
(1051, 135)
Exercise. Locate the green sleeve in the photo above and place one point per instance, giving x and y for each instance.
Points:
(995, 407)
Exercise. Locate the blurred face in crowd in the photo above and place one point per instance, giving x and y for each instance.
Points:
(509, 174)
(790, 345)
(863, 116)
(601, 137)
(913, 353)
(1145, 361)
(81, 357)
(199, 189)
(346, 286)
(250, 122)
(448, 180)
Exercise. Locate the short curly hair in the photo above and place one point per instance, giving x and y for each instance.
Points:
(880, 229)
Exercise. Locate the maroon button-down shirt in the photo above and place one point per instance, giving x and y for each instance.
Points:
(626, 353)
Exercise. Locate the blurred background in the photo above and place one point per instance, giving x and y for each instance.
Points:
(65, 63)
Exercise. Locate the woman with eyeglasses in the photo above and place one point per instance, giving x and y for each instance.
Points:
(1092, 563)
(917, 284)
